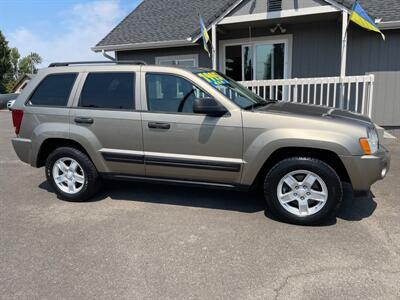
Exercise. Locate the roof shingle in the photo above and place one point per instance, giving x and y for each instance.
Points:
(177, 20)
(165, 20)
(387, 10)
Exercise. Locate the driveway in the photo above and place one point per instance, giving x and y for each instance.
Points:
(142, 241)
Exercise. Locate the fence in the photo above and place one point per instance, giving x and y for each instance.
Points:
(325, 91)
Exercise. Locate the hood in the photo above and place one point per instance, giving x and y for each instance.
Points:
(308, 110)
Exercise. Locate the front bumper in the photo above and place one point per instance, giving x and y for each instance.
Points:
(367, 169)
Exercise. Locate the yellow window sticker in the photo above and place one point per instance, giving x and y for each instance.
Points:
(213, 78)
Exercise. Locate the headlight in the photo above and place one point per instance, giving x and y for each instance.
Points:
(370, 144)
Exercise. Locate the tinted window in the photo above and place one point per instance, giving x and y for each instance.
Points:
(171, 93)
(54, 90)
(108, 90)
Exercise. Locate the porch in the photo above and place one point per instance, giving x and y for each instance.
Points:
(298, 59)
(354, 93)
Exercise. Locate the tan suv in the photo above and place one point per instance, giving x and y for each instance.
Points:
(85, 122)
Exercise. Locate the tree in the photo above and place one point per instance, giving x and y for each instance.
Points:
(14, 59)
(28, 64)
(5, 65)
(13, 67)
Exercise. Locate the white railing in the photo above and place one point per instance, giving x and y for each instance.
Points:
(357, 95)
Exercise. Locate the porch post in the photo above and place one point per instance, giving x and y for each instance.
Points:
(214, 46)
(343, 56)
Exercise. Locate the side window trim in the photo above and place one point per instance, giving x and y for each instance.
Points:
(78, 91)
(144, 94)
(135, 95)
(75, 90)
(71, 96)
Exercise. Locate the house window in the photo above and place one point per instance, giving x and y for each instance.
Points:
(258, 60)
(178, 60)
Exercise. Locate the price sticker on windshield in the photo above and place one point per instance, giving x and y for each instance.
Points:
(213, 78)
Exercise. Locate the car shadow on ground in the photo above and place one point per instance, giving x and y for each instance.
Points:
(352, 209)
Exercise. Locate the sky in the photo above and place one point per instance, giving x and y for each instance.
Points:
(61, 30)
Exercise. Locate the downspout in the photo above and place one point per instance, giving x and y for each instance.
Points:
(343, 56)
(107, 55)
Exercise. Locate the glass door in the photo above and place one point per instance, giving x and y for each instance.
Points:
(255, 61)
(233, 62)
(248, 59)
(269, 61)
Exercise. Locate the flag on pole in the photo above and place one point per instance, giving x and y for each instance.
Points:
(360, 17)
(204, 33)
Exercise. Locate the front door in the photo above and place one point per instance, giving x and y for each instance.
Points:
(105, 116)
(179, 144)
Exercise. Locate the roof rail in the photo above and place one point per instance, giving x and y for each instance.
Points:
(120, 62)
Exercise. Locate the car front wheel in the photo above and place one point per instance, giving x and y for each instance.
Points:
(303, 190)
(72, 174)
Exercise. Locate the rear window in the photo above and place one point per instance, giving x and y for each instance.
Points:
(109, 90)
(54, 90)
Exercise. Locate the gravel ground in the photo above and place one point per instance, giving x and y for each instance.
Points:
(141, 241)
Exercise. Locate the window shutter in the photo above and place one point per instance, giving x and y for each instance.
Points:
(274, 5)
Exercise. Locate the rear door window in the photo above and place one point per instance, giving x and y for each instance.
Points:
(109, 91)
(54, 90)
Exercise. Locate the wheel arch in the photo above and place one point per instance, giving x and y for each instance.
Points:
(50, 144)
(327, 156)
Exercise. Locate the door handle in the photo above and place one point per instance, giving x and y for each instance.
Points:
(81, 120)
(159, 125)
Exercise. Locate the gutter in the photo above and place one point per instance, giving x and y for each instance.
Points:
(389, 25)
(146, 45)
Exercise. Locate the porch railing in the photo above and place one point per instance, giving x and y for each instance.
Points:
(324, 91)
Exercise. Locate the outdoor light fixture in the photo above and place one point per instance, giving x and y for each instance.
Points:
(274, 29)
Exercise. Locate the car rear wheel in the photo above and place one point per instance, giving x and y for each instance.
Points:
(303, 191)
(72, 174)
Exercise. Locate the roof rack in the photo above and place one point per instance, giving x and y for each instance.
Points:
(120, 62)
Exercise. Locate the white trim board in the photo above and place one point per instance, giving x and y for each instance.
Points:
(287, 39)
(279, 14)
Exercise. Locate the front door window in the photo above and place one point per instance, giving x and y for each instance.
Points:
(170, 93)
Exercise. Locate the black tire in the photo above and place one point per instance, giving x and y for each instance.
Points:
(320, 168)
(91, 183)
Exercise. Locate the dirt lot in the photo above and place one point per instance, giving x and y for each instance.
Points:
(141, 241)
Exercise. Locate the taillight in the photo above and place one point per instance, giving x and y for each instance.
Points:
(17, 115)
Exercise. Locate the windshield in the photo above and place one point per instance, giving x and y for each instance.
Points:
(237, 93)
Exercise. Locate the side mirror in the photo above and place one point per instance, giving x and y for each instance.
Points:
(209, 107)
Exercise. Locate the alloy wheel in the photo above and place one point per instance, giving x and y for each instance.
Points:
(68, 175)
(302, 193)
